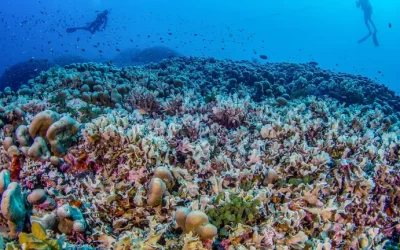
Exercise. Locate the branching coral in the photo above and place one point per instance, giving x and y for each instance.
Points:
(231, 113)
(144, 100)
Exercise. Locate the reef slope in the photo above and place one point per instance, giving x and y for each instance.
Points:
(191, 153)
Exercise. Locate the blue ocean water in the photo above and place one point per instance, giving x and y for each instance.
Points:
(285, 31)
(280, 151)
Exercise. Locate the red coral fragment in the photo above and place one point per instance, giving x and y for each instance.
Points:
(16, 167)
(79, 164)
(76, 203)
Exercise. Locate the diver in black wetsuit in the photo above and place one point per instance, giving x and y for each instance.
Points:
(367, 8)
(95, 26)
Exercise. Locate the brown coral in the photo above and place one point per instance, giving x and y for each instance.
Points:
(16, 167)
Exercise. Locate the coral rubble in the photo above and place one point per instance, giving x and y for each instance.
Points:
(198, 153)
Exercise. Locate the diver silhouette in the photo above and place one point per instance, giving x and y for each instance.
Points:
(367, 8)
(95, 26)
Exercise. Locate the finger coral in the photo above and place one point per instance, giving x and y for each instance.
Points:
(37, 196)
(41, 123)
(165, 175)
(39, 149)
(22, 135)
(7, 143)
(60, 135)
(196, 222)
(156, 191)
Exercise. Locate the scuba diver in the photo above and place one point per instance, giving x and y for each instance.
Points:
(95, 26)
(367, 8)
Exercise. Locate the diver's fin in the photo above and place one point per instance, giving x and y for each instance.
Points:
(72, 30)
(364, 38)
(376, 42)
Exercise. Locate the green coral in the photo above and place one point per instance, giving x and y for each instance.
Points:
(211, 96)
(61, 106)
(237, 210)
(90, 112)
(391, 245)
(296, 181)
(248, 185)
(38, 239)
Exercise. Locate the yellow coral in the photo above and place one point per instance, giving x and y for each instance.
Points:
(38, 239)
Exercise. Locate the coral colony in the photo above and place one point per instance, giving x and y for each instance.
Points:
(194, 153)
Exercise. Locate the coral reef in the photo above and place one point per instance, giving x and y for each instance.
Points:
(199, 153)
(136, 56)
(65, 60)
(127, 57)
(155, 55)
(20, 73)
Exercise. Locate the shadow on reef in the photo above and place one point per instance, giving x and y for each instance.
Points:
(19, 74)
(135, 56)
